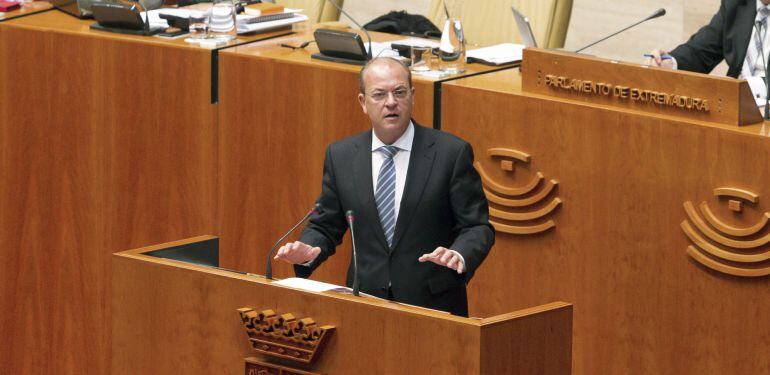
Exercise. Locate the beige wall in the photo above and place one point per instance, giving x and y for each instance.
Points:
(593, 19)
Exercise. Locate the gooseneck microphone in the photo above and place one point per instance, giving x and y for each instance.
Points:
(368, 37)
(658, 13)
(269, 271)
(350, 218)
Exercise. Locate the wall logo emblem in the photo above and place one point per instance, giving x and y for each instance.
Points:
(732, 250)
(518, 209)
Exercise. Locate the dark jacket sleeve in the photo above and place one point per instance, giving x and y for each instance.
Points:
(471, 210)
(704, 50)
(326, 229)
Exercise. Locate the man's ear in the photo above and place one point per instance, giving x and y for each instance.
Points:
(362, 101)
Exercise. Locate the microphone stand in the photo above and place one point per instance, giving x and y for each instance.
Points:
(356, 287)
(271, 253)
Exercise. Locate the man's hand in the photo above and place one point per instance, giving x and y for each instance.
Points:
(661, 59)
(297, 253)
(445, 257)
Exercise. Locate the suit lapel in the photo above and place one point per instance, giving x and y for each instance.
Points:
(744, 24)
(420, 165)
(362, 172)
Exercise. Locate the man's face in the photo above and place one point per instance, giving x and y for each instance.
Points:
(388, 99)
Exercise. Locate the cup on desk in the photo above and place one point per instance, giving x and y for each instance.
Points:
(421, 58)
(199, 25)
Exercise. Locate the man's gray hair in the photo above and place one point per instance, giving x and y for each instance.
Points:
(362, 87)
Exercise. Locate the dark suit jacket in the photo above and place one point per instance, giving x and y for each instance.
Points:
(725, 37)
(443, 204)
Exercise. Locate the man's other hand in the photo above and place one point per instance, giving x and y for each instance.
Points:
(661, 59)
(297, 253)
(445, 257)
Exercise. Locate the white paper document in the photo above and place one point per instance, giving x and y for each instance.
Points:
(381, 49)
(417, 42)
(311, 285)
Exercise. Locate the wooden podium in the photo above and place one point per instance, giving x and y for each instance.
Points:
(172, 316)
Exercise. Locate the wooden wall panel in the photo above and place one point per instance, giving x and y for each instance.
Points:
(101, 150)
(617, 251)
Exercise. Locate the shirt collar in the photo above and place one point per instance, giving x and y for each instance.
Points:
(404, 143)
(760, 5)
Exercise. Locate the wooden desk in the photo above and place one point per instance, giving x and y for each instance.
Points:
(108, 143)
(26, 10)
(175, 317)
(618, 251)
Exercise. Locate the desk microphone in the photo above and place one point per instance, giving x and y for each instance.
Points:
(269, 271)
(333, 2)
(658, 13)
(350, 218)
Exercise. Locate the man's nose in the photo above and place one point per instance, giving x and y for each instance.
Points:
(391, 101)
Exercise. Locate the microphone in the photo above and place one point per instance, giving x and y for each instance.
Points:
(333, 2)
(758, 28)
(269, 271)
(350, 217)
(658, 13)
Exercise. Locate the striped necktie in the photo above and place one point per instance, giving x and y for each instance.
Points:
(385, 195)
(753, 55)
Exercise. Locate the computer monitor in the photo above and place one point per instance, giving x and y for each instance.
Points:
(522, 22)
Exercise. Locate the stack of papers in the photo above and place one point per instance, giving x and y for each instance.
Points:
(498, 54)
(245, 27)
(241, 20)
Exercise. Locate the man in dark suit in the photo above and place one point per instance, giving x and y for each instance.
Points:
(726, 37)
(422, 225)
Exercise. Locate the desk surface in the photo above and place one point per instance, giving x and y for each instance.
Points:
(26, 10)
(64, 23)
(509, 82)
(272, 49)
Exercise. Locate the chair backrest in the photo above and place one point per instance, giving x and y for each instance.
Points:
(491, 21)
(317, 10)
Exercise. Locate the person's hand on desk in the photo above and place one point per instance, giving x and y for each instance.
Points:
(445, 257)
(660, 59)
(297, 253)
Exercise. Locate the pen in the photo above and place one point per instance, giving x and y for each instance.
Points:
(662, 57)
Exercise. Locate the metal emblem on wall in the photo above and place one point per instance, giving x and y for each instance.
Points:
(738, 251)
(284, 337)
(518, 209)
